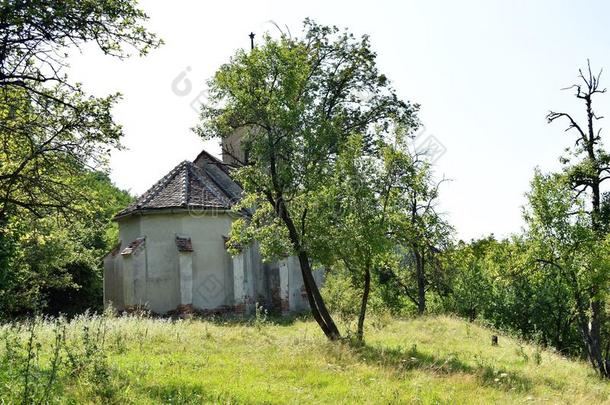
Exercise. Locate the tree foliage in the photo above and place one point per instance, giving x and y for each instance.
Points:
(50, 130)
(350, 218)
(551, 282)
(417, 230)
(53, 264)
(586, 171)
(55, 199)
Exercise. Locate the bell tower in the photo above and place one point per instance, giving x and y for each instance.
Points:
(233, 151)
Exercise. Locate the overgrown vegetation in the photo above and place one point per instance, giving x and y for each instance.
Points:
(53, 264)
(104, 359)
(550, 283)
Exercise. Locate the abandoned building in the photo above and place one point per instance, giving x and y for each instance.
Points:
(172, 253)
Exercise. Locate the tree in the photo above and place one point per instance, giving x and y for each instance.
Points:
(349, 215)
(563, 243)
(55, 262)
(92, 235)
(525, 283)
(47, 146)
(37, 33)
(49, 129)
(297, 101)
(417, 229)
(470, 280)
(587, 167)
(53, 138)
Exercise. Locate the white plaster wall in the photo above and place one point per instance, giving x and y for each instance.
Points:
(185, 262)
(298, 302)
(212, 265)
(239, 279)
(260, 278)
(212, 284)
(296, 292)
(139, 273)
(113, 282)
(212, 280)
(162, 273)
(129, 230)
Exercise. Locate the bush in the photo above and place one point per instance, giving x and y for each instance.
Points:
(342, 299)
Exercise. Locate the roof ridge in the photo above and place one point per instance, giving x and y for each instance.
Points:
(222, 165)
(217, 183)
(187, 187)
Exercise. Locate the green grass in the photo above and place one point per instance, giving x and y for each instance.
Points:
(425, 360)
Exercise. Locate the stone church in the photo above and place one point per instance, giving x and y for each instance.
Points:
(172, 254)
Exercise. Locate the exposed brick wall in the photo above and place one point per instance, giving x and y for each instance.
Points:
(284, 305)
(239, 309)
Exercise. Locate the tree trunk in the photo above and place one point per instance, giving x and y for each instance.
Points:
(593, 338)
(590, 329)
(365, 299)
(597, 304)
(594, 352)
(590, 307)
(421, 283)
(595, 343)
(316, 303)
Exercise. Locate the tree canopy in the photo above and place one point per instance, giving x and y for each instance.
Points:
(298, 101)
(49, 128)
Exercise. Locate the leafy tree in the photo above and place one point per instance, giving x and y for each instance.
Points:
(55, 262)
(52, 139)
(49, 129)
(471, 282)
(417, 229)
(563, 242)
(46, 148)
(365, 215)
(504, 284)
(37, 33)
(349, 216)
(94, 235)
(297, 101)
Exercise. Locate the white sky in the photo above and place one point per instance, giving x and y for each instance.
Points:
(485, 73)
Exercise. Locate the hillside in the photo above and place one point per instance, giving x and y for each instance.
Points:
(427, 360)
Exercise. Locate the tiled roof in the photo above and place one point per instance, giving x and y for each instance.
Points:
(202, 184)
(133, 246)
(219, 173)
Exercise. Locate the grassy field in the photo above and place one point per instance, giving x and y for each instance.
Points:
(140, 360)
